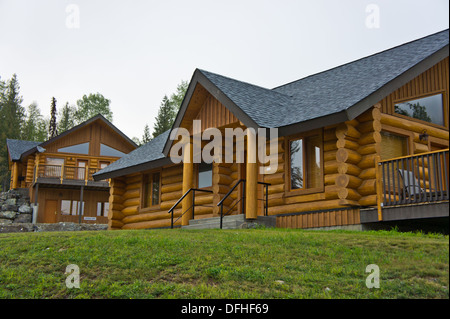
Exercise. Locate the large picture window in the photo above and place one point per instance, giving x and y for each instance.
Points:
(429, 109)
(305, 166)
(151, 189)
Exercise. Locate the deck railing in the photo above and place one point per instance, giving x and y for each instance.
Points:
(64, 172)
(415, 179)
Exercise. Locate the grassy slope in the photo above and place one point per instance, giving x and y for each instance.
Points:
(224, 264)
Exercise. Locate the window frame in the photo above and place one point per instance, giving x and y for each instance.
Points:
(287, 163)
(420, 96)
(197, 172)
(142, 190)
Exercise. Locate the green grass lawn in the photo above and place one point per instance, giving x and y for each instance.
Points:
(255, 263)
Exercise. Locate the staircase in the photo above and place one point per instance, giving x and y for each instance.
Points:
(229, 222)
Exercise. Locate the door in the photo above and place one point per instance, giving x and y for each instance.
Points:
(81, 169)
(51, 211)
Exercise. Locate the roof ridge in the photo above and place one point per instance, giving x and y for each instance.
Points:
(360, 59)
(247, 83)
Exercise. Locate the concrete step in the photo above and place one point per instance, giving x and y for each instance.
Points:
(229, 222)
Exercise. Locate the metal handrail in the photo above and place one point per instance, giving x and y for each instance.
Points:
(222, 215)
(192, 206)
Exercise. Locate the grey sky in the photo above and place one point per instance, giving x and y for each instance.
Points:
(134, 52)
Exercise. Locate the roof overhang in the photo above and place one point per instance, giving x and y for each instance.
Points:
(133, 169)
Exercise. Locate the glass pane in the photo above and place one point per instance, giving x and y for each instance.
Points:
(155, 189)
(65, 207)
(147, 190)
(99, 209)
(106, 150)
(78, 149)
(428, 109)
(204, 175)
(296, 152)
(106, 209)
(313, 156)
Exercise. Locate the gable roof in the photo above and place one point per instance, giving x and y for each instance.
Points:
(145, 157)
(326, 98)
(17, 147)
(20, 146)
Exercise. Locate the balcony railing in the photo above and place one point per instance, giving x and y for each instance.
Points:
(63, 172)
(415, 179)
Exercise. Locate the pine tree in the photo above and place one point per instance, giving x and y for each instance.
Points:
(146, 137)
(66, 118)
(52, 129)
(34, 127)
(165, 117)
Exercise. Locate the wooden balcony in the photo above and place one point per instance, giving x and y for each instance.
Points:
(413, 187)
(68, 176)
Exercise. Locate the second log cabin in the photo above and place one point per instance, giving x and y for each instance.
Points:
(360, 143)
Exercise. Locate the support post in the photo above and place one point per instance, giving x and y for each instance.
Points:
(188, 182)
(80, 208)
(379, 187)
(15, 175)
(251, 200)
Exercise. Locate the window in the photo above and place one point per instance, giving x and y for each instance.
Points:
(106, 150)
(393, 145)
(151, 189)
(70, 207)
(306, 163)
(102, 209)
(77, 149)
(428, 109)
(204, 175)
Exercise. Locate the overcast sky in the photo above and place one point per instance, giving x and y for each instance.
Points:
(135, 52)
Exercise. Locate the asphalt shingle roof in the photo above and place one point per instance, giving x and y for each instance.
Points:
(17, 147)
(146, 153)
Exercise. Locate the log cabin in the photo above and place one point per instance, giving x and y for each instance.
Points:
(364, 142)
(58, 172)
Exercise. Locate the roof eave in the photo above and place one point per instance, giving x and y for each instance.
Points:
(132, 169)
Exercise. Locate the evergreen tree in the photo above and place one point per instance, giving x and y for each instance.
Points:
(165, 117)
(91, 105)
(34, 128)
(66, 118)
(52, 129)
(146, 137)
(12, 116)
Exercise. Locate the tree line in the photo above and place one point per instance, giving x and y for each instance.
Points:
(18, 122)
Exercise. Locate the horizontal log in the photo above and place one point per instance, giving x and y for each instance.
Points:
(370, 138)
(347, 168)
(349, 193)
(329, 134)
(172, 179)
(347, 131)
(304, 198)
(346, 143)
(132, 202)
(368, 161)
(330, 145)
(151, 224)
(130, 210)
(368, 173)
(172, 171)
(171, 196)
(151, 216)
(330, 179)
(274, 178)
(420, 148)
(345, 180)
(370, 126)
(374, 148)
(222, 179)
(116, 198)
(116, 206)
(309, 206)
(221, 189)
(115, 214)
(370, 200)
(373, 113)
(115, 224)
(171, 187)
(133, 186)
(276, 188)
(344, 155)
(413, 126)
(329, 155)
(133, 179)
(133, 193)
(367, 187)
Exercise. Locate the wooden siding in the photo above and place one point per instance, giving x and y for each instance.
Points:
(330, 218)
(214, 114)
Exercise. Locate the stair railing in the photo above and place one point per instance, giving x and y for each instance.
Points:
(193, 190)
